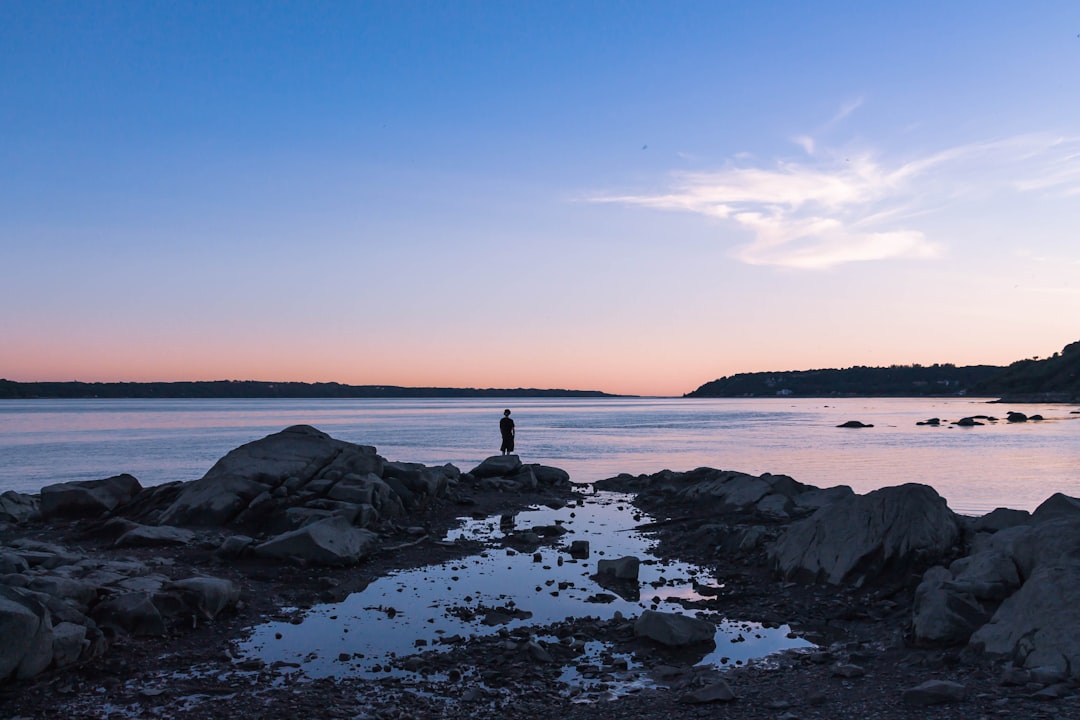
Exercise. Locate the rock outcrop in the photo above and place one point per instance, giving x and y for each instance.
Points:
(892, 530)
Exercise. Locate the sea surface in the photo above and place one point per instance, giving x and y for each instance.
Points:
(976, 469)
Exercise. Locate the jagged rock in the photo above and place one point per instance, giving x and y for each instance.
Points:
(155, 536)
(332, 541)
(87, 498)
(497, 466)
(624, 568)
(18, 507)
(12, 563)
(1056, 506)
(860, 537)
(1031, 546)
(419, 479)
(131, 613)
(207, 596)
(248, 471)
(77, 591)
(986, 575)
(942, 614)
(1030, 626)
(816, 498)
(935, 692)
(26, 629)
(672, 629)
(69, 642)
(999, 519)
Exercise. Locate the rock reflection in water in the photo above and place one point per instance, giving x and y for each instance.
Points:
(504, 587)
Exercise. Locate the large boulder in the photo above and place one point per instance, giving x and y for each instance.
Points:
(944, 614)
(26, 629)
(673, 629)
(18, 507)
(132, 613)
(497, 466)
(291, 458)
(1033, 627)
(894, 529)
(87, 498)
(155, 536)
(332, 541)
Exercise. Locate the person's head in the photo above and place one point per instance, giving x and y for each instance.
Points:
(506, 413)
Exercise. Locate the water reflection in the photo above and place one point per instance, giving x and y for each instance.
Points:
(510, 585)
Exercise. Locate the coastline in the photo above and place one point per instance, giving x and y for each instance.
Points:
(866, 658)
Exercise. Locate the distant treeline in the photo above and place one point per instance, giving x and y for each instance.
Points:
(1052, 379)
(859, 381)
(257, 389)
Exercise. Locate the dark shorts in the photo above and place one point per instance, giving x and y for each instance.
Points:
(507, 444)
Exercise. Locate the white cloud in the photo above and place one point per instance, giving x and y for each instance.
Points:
(837, 207)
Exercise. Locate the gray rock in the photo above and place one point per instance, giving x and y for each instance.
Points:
(942, 614)
(25, 624)
(18, 507)
(774, 506)
(847, 670)
(935, 692)
(550, 476)
(235, 545)
(151, 536)
(1050, 542)
(69, 642)
(817, 498)
(299, 452)
(333, 541)
(207, 596)
(1029, 627)
(718, 691)
(12, 563)
(1056, 506)
(624, 568)
(986, 575)
(672, 629)
(999, 519)
(87, 498)
(863, 536)
(497, 466)
(131, 614)
(77, 591)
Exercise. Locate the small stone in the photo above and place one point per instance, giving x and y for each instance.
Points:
(935, 692)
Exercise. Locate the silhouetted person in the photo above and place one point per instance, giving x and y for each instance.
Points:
(506, 427)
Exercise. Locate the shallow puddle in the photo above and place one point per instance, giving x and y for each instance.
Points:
(504, 587)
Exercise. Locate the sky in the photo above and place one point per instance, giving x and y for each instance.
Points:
(635, 197)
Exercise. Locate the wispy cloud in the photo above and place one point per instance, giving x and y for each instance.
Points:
(835, 207)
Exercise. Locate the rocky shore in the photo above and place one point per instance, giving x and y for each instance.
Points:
(123, 601)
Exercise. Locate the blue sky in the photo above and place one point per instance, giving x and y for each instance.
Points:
(634, 197)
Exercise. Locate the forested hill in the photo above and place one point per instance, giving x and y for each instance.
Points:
(1056, 378)
(859, 381)
(256, 389)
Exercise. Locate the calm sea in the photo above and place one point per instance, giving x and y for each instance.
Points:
(976, 469)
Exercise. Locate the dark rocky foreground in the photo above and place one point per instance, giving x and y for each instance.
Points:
(122, 601)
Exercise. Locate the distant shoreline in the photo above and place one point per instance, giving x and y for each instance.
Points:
(241, 389)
